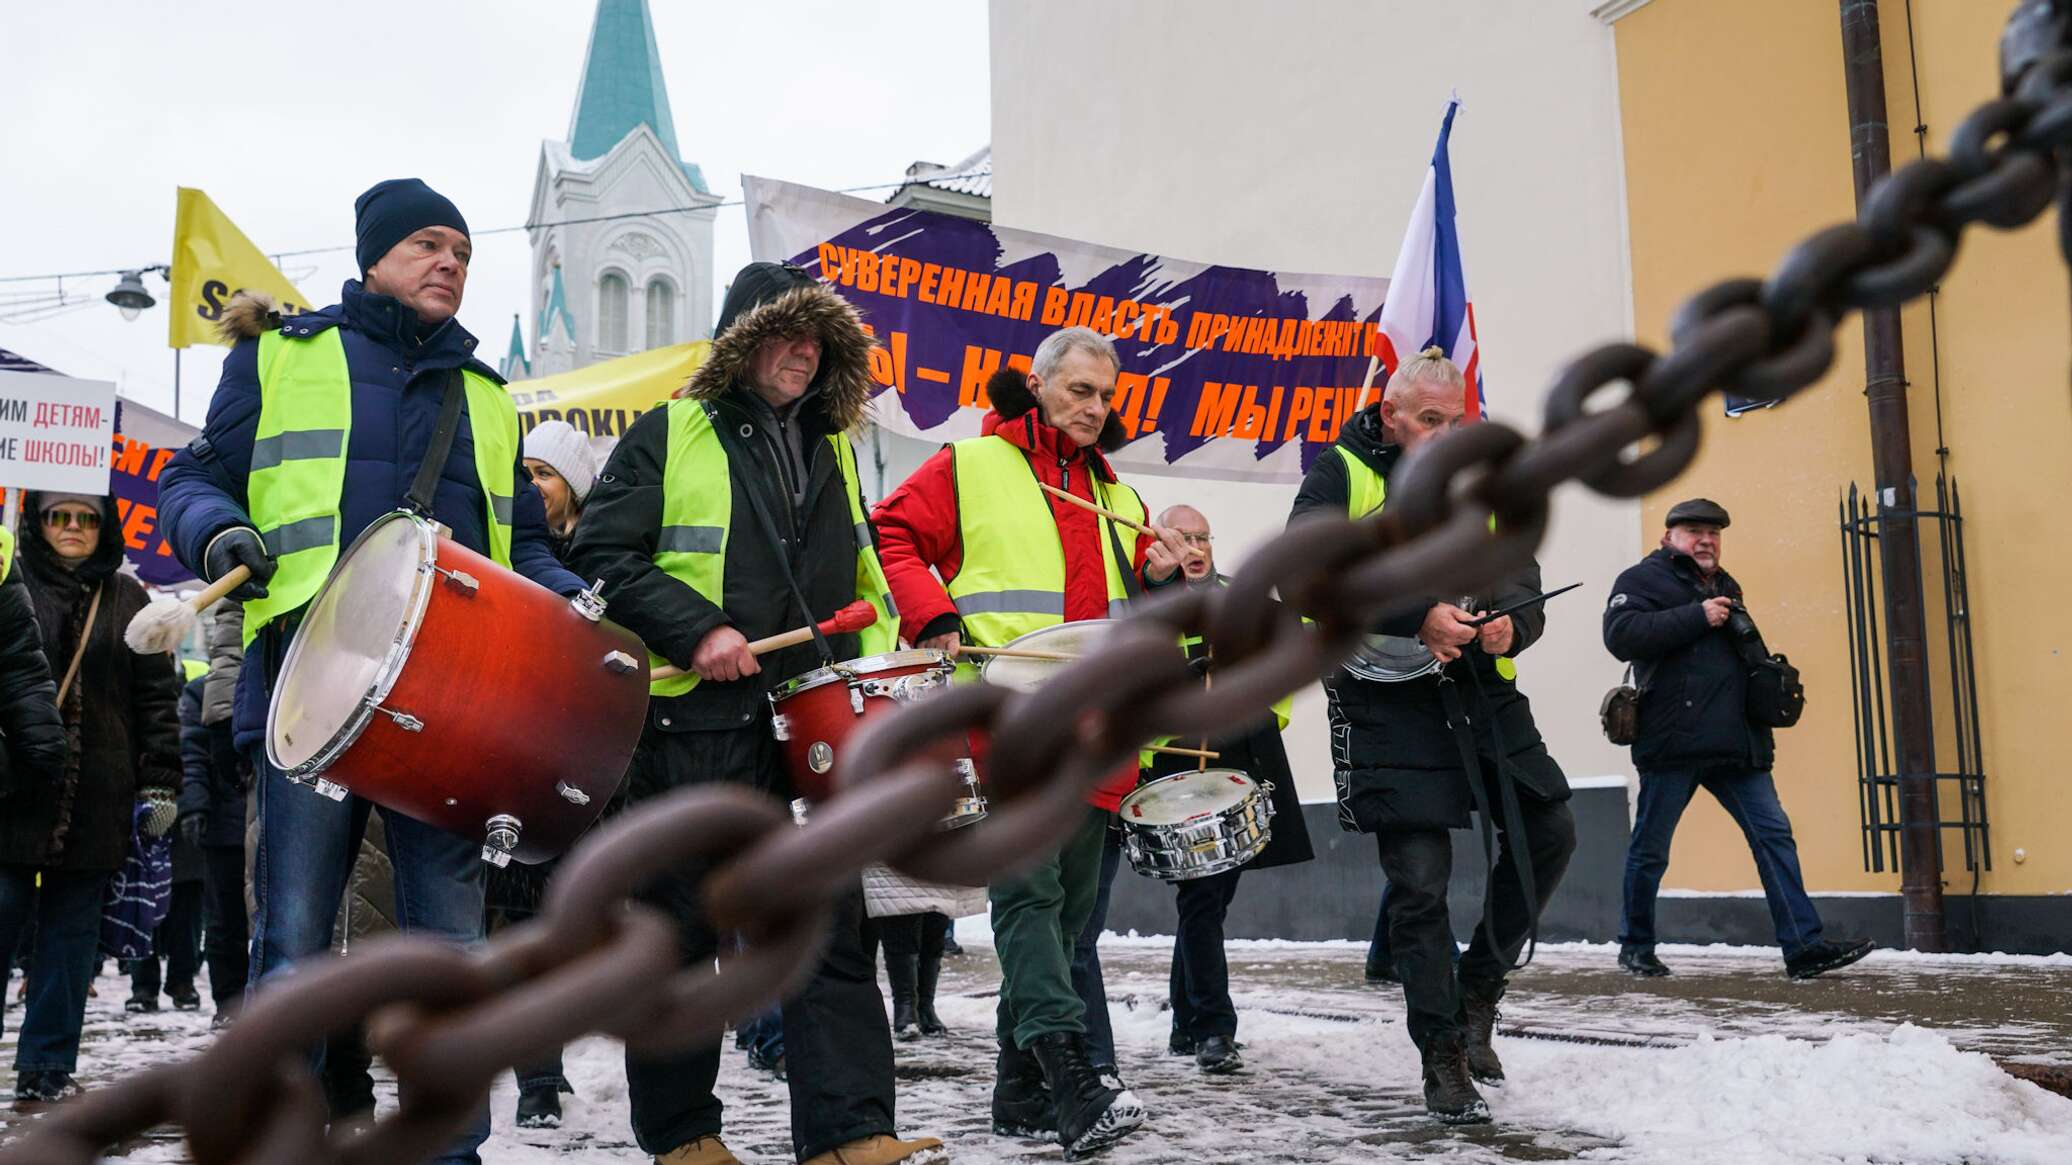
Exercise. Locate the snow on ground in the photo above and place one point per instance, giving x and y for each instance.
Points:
(1726, 1062)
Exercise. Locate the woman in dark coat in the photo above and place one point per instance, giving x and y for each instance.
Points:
(122, 746)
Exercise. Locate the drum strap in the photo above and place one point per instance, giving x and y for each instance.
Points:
(1458, 720)
(426, 484)
(1123, 560)
(769, 525)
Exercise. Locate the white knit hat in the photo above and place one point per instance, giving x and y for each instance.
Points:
(559, 444)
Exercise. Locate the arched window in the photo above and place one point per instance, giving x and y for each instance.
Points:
(611, 313)
(661, 313)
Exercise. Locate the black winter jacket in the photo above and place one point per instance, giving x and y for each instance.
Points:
(1394, 758)
(213, 779)
(1693, 684)
(120, 721)
(622, 520)
(32, 738)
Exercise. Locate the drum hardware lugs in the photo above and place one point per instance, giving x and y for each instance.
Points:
(619, 663)
(501, 839)
(571, 794)
(780, 726)
(459, 580)
(404, 720)
(589, 602)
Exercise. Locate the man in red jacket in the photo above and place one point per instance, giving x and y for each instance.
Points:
(977, 554)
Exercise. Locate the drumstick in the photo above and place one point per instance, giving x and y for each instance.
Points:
(1109, 514)
(1177, 750)
(164, 623)
(1016, 653)
(854, 617)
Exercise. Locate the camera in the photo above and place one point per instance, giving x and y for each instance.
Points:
(1741, 625)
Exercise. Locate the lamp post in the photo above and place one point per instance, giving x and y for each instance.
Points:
(129, 295)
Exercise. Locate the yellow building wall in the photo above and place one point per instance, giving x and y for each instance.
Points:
(1735, 124)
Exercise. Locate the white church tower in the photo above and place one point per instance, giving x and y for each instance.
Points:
(622, 253)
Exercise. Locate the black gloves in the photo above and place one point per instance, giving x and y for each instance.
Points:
(235, 547)
(192, 827)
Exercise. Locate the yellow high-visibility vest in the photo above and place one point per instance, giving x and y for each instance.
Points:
(698, 514)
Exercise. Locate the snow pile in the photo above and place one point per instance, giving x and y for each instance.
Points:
(1908, 1096)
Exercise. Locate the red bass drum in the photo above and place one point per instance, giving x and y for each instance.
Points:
(433, 682)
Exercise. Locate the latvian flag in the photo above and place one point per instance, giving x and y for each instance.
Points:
(1428, 292)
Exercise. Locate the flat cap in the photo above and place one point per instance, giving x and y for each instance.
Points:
(1702, 510)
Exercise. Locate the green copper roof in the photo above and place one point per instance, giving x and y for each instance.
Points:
(515, 361)
(622, 87)
(555, 311)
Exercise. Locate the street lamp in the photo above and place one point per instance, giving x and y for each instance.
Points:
(129, 295)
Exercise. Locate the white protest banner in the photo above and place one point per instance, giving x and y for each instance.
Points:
(56, 433)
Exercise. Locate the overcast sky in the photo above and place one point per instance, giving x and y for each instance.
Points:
(284, 114)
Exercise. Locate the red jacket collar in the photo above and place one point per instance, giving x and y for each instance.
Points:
(1029, 433)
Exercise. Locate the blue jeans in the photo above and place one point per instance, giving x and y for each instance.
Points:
(307, 844)
(1087, 982)
(67, 913)
(1750, 797)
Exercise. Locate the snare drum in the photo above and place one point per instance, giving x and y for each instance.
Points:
(431, 681)
(1082, 637)
(1193, 825)
(814, 714)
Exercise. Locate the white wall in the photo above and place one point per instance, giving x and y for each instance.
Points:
(1294, 136)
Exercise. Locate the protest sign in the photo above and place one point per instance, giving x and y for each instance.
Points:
(1226, 372)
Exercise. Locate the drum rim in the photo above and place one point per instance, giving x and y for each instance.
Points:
(385, 675)
(1026, 639)
(849, 669)
(1147, 786)
(1372, 675)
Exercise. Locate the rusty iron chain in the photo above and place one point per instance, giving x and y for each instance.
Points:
(595, 961)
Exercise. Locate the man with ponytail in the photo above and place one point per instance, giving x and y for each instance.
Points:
(1411, 759)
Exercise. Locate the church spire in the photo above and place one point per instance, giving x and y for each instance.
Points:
(622, 86)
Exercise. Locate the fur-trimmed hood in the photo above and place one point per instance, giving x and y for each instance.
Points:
(1009, 391)
(842, 390)
(248, 315)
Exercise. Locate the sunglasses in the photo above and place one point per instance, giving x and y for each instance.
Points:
(56, 519)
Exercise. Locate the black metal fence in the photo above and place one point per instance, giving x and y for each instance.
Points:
(1862, 520)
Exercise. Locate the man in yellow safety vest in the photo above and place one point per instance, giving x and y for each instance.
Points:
(318, 427)
(978, 554)
(715, 521)
(1399, 756)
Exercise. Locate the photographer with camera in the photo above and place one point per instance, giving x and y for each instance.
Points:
(1710, 694)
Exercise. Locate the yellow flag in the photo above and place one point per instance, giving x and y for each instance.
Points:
(213, 260)
(603, 400)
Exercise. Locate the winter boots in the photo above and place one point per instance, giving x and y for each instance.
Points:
(903, 973)
(1478, 1000)
(1450, 1095)
(1021, 1101)
(1641, 963)
(539, 1104)
(1091, 1115)
(926, 977)
(1217, 1056)
(884, 1149)
(708, 1150)
(1823, 957)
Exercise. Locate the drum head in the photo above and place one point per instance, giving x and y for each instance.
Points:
(1186, 796)
(919, 657)
(1391, 659)
(1026, 675)
(351, 644)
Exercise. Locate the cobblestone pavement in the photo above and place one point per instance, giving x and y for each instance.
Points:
(1331, 1076)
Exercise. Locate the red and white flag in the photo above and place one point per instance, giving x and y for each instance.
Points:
(1428, 300)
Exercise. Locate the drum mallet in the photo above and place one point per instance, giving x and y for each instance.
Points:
(854, 617)
(161, 626)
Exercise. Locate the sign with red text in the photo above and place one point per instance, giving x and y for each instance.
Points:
(1226, 372)
(56, 433)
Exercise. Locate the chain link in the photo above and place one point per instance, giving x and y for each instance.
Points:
(596, 961)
